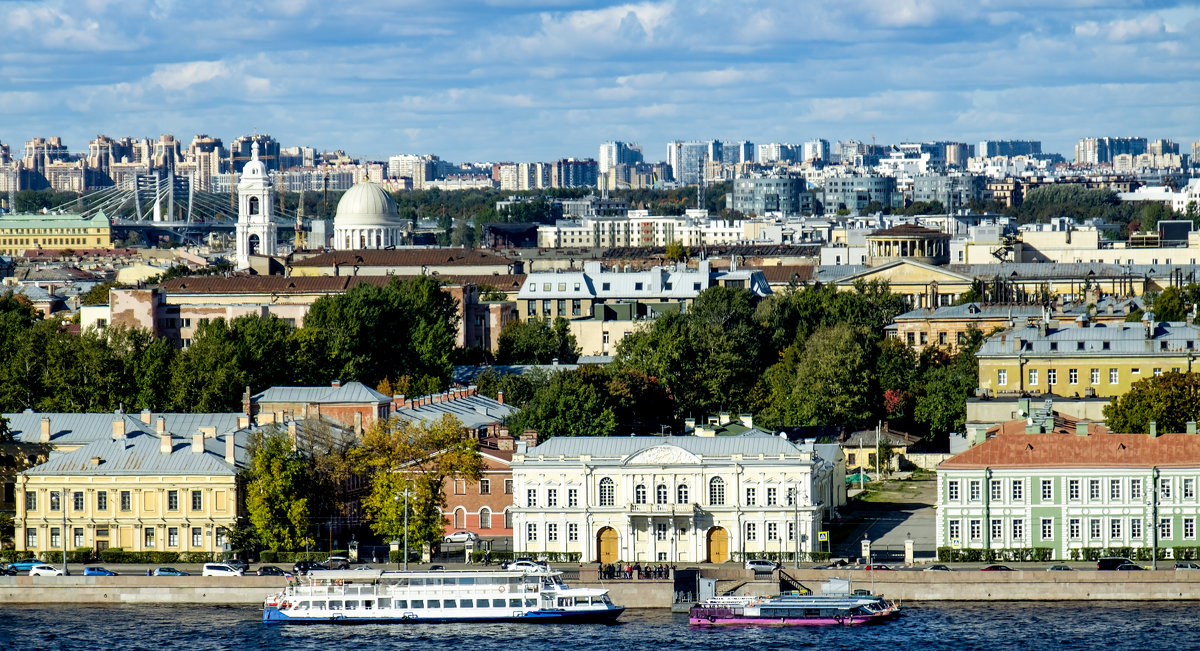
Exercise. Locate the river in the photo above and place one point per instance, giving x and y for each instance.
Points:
(991, 626)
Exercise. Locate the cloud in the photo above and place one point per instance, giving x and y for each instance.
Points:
(179, 76)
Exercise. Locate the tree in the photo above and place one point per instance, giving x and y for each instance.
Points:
(675, 251)
(396, 455)
(1169, 305)
(1170, 400)
(826, 381)
(944, 386)
(571, 403)
(277, 492)
(98, 294)
(537, 342)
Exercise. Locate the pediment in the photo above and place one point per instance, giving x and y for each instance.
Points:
(662, 455)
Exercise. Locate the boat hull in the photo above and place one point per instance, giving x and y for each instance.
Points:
(273, 615)
(856, 620)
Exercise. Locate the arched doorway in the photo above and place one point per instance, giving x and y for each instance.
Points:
(607, 545)
(252, 244)
(718, 545)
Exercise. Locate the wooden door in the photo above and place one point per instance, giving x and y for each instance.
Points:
(718, 545)
(608, 545)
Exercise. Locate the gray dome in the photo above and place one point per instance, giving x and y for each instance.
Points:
(366, 204)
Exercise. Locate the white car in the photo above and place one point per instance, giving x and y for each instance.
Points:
(44, 570)
(461, 537)
(220, 569)
(526, 566)
(760, 565)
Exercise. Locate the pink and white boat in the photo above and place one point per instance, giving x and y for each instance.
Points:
(794, 610)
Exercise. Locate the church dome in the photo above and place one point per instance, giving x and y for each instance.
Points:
(366, 204)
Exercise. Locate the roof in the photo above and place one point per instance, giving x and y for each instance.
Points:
(54, 220)
(1011, 448)
(973, 311)
(319, 284)
(467, 374)
(405, 257)
(866, 438)
(786, 273)
(474, 411)
(139, 453)
(80, 428)
(351, 392)
(622, 446)
(1098, 339)
(909, 230)
(1074, 270)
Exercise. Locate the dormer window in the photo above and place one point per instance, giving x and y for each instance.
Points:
(1079, 345)
(1105, 346)
(1054, 345)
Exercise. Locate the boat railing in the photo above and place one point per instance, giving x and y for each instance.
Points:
(716, 612)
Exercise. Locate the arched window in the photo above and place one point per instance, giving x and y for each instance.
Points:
(639, 494)
(485, 518)
(253, 205)
(460, 518)
(607, 492)
(716, 491)
(508, 518)
(681, 494)
(660, 494)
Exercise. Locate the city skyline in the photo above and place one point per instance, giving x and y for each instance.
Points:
(544, 80)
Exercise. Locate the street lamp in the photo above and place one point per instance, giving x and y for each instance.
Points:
(62, 502)
(794, 497)
(405, 493)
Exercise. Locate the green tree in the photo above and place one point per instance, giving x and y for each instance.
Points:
(206, 376)
(675, 251)
(396, 455)
(1170, 400)
(571, 403)
(98, 294)
(943, 388)
(828, 380)
(537, 342)
(278, 491)
(1169, 305)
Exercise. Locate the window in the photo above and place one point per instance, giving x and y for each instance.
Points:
(772, 496)
(551, 497)
(1033, 377)
(126, 501)
(1093, 489)
(997, 492)
(976, 529)
(55, 537)
(1047, 490)
(172, 500)
(508, 486)
(55, 502)
(197, 539)
(1189, 528)
(911, 337)
(751, 496)
(485, 487)
(1094, 525)
(1114, 528)
(1018, 490)
(531, 531)
(660, 531)
(606, 286)
(460, 487)
(197, 501)
(531, 497)
(1135, 528)
(1164, 529)
(952, 490)
(172, 536)
(1114, 489)
(572, 497)
(1135, 489)
(220, 537)
(661, 494)
(1074, 529)
(508, 519)
(1047, 528)
(607, 492)
(77, 501)
(975, 489)
(1052, 377)
(30, 501)
(1073, 489)
(751, 531)
(772, 531)
(485, 518)
(1073, 376)
(1164, 488)
(639, 494)
(1189, 488)
(576, 307)
(101, 500)
(716, 492)
(30, 538)
(1018, 529)
(791, 531)
(1114, 376)
(1095, 376)
(681, 494)
(148, 537)
(1002, 377)
(1158, 371)
(552, 532)
(955, 529)
(572, 532)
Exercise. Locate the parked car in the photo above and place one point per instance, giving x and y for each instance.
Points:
(220, 569)
(461, 537)
(526, 565)
(1187, 565)
(761, 565)
(269, 570)
(96, 570)
(1130, 566)
(1060, 568)
(1112, 562)
(168, 571)
(237, 564)
(338, 563)
(304, 567)
(25, 565)
(996, 568)
(520, 559)
(44, 570)
(937, 568)
(878, 566)
(7, 571)
(437, 568)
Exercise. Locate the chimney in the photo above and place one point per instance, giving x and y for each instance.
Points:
(230, 448)
(689, 424)
(160, 425)
(1081, 429)
(45, 438)
(198, 442)
(747, 420)
(358, 422)
(337, 384)
(1153, 430)
(437, 397)
(96, 461)
(209, 432)
(500, 397)
(243, 421)
(118, 428)
(530, 438)
(292, 436)
(398, 401)
(166, 444)
(723, 418)
(503, 440)
(146, 416)
(1191, 427)
(246, 408)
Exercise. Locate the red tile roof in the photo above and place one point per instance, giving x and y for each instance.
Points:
(318, 284)
(404, 257)
(1011, 447)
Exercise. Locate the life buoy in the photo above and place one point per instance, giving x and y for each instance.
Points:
(501, 588)
(837, 618)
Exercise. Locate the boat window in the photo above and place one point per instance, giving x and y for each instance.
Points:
(416, 581)
(385, 602)
(450, 580)
(351, 605)
(318, 605)
(435, 603)
(497, 603)
(367, 604)
(449, 603)
(514, 603)
(433, 581)
(531, 603)
(468, 603)
(417, 603)
(399, 603)
(466, 580)
(303, 605)
(335, 605)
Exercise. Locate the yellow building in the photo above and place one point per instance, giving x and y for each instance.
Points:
(140, 489)
(1084, 359)
(54, 231)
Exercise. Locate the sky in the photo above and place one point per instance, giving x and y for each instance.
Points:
(510, 80)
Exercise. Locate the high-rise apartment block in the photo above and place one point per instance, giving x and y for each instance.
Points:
(268, 151)
(1095, 151)
(990, 148)
(615, 152)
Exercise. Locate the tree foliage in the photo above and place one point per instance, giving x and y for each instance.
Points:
(278, 491)
(1170, 400)
(537, 341)
(827, 380)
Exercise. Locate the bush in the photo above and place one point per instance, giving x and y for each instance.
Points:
(197, 557)
(14, 555)
(119, 555)
(268, 556)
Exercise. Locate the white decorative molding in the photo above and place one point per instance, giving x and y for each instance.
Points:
(662, 455)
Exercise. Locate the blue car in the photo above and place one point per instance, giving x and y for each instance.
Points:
(96, 570)
(25, 565)
(167, 571)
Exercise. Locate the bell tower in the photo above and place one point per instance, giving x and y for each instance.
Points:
(255, 226)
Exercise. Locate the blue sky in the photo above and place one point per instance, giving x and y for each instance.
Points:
(515, 80)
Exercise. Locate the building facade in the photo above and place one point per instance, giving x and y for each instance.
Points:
(19, 233)
(759, 195)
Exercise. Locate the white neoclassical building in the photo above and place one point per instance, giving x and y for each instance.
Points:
(256, 232)
(367, 218)
(673, 499)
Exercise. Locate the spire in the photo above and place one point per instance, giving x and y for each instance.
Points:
(254, 150)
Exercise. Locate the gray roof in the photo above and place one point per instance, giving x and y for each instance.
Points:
(139, 454)
(1121, 339)
(594, 359)
(474, 411)
(1073, 270)
(464, 375)
(351, 392)
(80, 428)
(978, 310)
(623, 446)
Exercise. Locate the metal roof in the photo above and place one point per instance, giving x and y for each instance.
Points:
(463, 375)
(474, 411)
(623, 446)
(351, 392)
(81, 428)
(1099, 339)
(140, 453)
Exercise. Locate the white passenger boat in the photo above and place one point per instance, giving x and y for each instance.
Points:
(377, 597)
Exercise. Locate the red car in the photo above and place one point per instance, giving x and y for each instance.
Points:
(878, 566)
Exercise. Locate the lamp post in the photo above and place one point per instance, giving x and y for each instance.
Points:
(63, 503)
(794, 496)
(405, 493)
(1154, 518)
